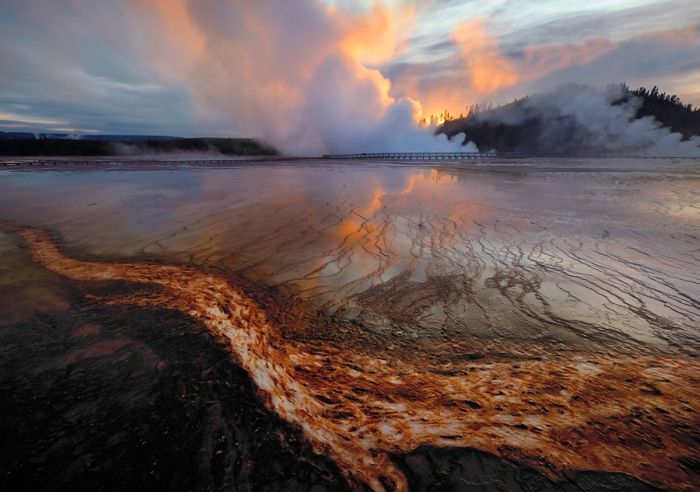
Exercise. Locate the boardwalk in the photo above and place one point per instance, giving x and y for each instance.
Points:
(417, 156)
(390, 156)
(7, 161)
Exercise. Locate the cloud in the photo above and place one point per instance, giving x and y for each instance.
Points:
(485, 71)
(488, 69)
(642, 60)
(76, 66)
(476, 68)
(312, 76)
(299, 75)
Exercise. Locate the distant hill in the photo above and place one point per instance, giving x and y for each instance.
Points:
(580, 120)
(73, 136)
(29, 144)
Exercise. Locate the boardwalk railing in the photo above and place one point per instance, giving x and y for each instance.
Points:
(389, 156)
(67, 161)
(415, 155)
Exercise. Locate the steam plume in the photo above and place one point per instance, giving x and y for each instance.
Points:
(298, 75)
(580, 119)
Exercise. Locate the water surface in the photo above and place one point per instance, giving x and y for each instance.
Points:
(585, 253)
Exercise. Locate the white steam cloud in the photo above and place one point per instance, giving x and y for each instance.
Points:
(300, 75)
(354, 117)
(585, 119)
(303, 77)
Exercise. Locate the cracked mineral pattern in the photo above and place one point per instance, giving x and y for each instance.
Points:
(547, 312)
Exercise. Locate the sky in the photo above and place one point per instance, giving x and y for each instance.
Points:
(298, 72)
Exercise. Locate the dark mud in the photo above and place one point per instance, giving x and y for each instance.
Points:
(469, 470)
(114, 398)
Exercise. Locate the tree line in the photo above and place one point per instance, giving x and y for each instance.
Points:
(524, 125)
(72, 147)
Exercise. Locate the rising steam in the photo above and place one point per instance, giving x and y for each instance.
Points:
(575, 119)
(301, 76)
(305, 77)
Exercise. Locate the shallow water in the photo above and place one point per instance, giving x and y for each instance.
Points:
(594, 255)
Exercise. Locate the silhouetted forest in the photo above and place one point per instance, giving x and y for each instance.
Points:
(669, 110)
(535, 125)
(13, 146)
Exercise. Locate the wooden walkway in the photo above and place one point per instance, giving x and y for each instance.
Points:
(417, 156)
(390, 156)
(387, 156)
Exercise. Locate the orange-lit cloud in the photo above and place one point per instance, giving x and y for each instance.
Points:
(245, 61)
(542, 60)
(245, 68)
(374, 36)
(291, 74)
(488, 70)
(478, 69)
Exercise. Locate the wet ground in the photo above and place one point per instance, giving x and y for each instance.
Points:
(440, 271)
(99, 397)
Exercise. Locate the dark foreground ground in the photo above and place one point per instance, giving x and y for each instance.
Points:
(105, 397)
